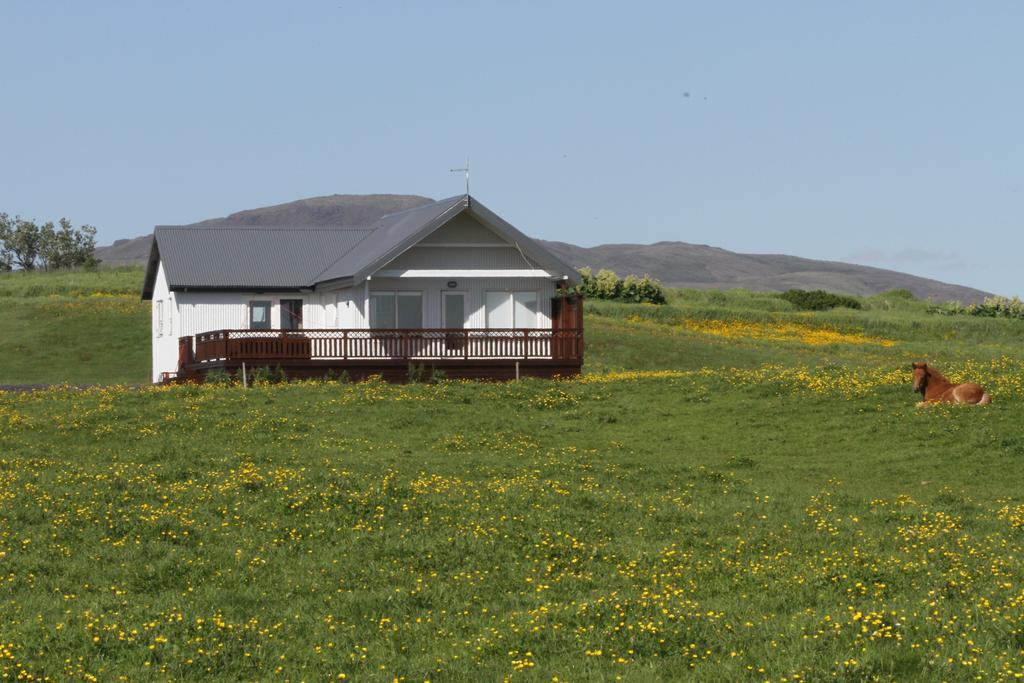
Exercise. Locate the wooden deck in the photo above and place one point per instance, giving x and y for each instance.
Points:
(458, 353)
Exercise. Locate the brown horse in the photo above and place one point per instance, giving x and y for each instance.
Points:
(935, 388)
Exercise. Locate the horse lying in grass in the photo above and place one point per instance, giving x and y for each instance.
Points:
(934, 388)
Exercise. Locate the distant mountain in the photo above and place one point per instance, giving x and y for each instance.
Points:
(698, 266)
(335, 209)
(677, 264)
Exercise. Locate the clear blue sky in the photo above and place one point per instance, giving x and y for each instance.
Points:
(887, 133)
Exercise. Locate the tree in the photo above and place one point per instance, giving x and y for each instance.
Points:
(25, 242)
(67, 247)
(6, 257)
(28, 246)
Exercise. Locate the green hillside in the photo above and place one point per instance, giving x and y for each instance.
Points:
(79, 327)
(91, 328)
(736, 490)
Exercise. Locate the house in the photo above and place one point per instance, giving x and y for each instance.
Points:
(447, 285)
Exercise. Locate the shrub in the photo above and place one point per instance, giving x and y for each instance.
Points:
(266, 375)
(818, 300)
(607, 285)
(220, 377)
(415, 373)
(991, 307)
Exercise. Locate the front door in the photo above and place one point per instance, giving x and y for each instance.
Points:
(291, 314)
(453, 317)
(454, 310)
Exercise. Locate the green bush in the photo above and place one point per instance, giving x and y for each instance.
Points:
(264, 375)
(219, 376)
(819, 300)
(607, 285)
(991, 307)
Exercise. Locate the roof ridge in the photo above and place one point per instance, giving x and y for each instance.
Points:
(421, 206)
(336, 228)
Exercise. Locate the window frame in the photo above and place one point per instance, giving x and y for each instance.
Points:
(512, 301)
(396, 294)
(268, 304)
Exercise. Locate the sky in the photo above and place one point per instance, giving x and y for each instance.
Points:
(882, 133)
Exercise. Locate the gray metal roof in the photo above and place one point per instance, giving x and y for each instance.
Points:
(391, 236)
(267, 258)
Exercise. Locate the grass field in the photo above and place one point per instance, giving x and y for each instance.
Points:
(735, 491)
(79, 328)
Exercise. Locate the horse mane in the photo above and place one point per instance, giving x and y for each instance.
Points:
(935, 375)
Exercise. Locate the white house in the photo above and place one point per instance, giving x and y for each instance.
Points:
(448, 285)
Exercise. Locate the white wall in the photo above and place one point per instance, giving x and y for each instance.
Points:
(192, 313)
(165, 333)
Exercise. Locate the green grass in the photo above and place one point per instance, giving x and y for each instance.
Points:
(702, 506)
(80, 327)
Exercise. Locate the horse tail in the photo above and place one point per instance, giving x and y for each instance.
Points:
(985, 399)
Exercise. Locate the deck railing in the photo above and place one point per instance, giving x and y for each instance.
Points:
(413, 344)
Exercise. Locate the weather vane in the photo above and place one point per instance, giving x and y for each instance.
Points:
(466, 169)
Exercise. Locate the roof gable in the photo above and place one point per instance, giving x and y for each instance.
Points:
(395, 234)
(268, 258)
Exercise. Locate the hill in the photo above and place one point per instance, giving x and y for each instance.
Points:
(698, 266)
(676, 264)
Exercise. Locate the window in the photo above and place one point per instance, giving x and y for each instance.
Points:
(291, 314)
(396, 310)
(160, 318)
(511, 310)
(259, 315)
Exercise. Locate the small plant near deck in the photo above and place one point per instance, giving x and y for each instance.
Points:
(220, 377)
(415, 373)
(264, 375)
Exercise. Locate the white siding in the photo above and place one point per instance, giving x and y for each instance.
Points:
(461, 258)
(461, 244)
(165, 340)
(463, 229)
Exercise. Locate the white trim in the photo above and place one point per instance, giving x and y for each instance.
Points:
(464, 273)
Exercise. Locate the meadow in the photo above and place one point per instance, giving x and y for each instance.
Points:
(74, 327)
(735, 490)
